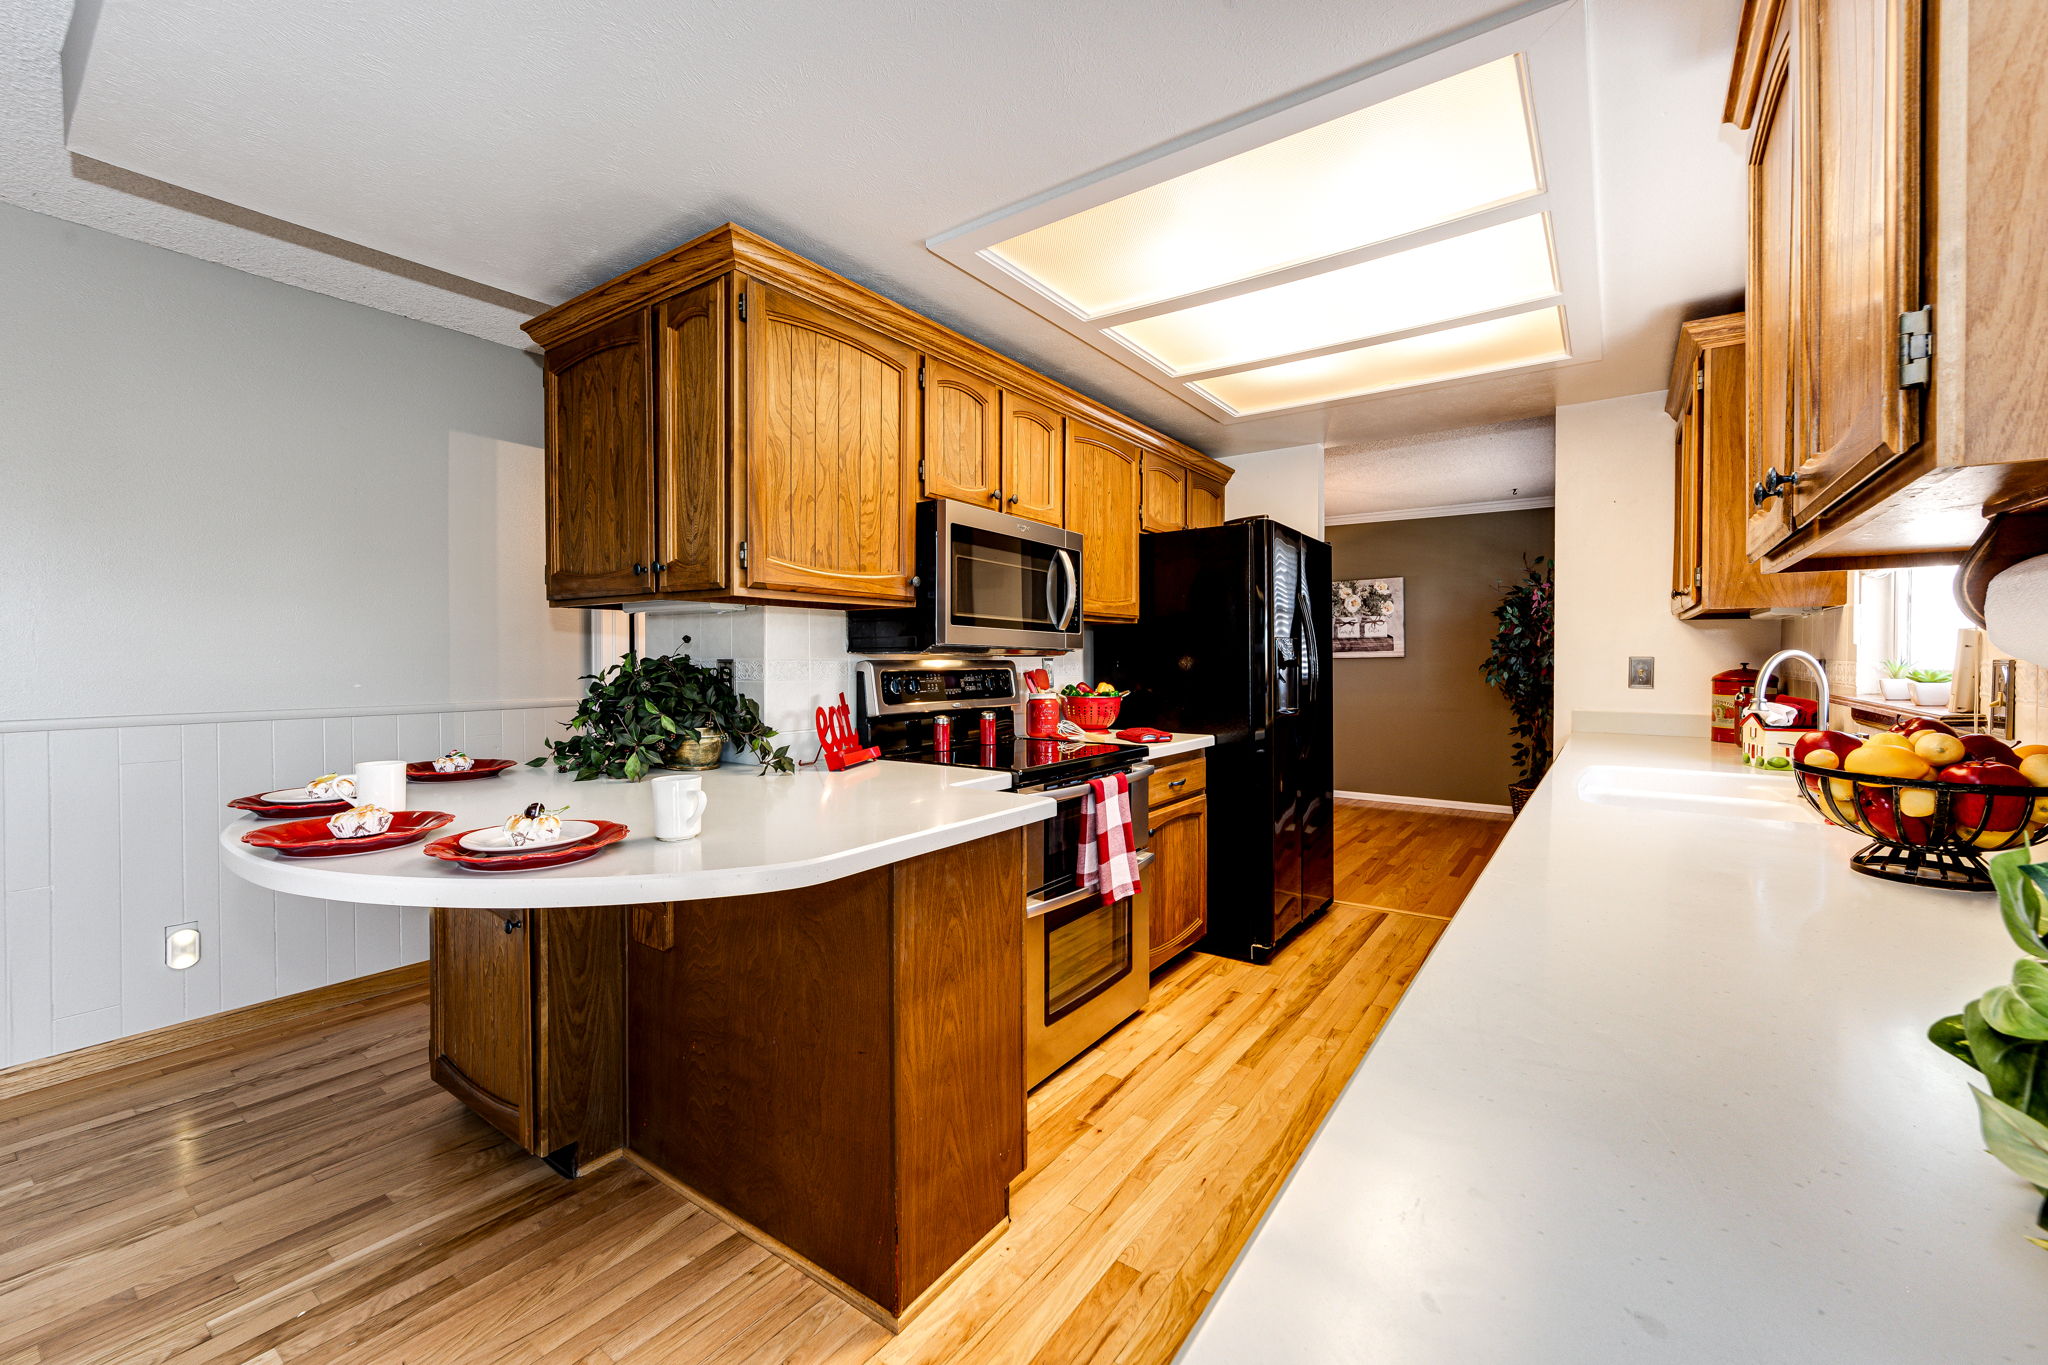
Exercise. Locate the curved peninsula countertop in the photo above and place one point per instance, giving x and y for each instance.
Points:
(761, 834)
(1662, 1093)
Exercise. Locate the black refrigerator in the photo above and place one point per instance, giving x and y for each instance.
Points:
(1233, 639)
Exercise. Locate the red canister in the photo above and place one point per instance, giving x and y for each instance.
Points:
(942, 733)
(1042, 716)
(1730, 692)
(988, 729)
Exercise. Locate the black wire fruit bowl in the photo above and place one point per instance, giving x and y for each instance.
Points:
(1925, 832)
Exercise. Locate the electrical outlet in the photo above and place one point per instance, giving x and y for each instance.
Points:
(725, 671)
(1642, 670)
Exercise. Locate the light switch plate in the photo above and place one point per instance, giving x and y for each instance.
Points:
(1642, 670)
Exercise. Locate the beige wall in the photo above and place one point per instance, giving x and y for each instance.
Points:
(1427, 724)
(1286, 485)
(1614, 517)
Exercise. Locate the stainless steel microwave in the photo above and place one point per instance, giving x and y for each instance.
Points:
(987, 583)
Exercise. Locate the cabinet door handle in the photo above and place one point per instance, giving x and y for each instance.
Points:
(1775, 485)
(514, 924)
(1013, 499)
(1178, 782)
(996, 496)
(639, 569)
(656, 567)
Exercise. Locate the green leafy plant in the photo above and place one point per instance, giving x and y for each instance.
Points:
(2004, 1032)
(1895, 668)
(1929, 675)
(639, 712)
(1519, 666)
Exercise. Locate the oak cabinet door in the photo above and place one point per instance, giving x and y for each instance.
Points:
(1862, 253)
(1177, 883)
(1102, 504)
(1163, 502)
(600, 463)
(1773, 298)
(1034, 459)
(1687, 507)
(480, 1023)
(690, 375)
(1205, 502)
(831, 452)
(962, 435)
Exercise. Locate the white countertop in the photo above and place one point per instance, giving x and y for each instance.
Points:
(1662, 1093)
(760, 834)
(1179, 744)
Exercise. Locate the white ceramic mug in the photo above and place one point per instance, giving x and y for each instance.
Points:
(679, 802)
(381, 782)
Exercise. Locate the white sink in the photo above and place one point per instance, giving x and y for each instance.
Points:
(1741, 796)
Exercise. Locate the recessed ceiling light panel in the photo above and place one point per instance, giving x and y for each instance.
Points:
(1454, 353)
(1477, 272)
(1454, 147)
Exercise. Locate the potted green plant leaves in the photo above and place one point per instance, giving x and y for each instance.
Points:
(1892, 680)
(1929, 686)
(1519, 667)
(642, 715)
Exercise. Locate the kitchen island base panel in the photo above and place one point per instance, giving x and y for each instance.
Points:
(837, 1070)
(842, 1066)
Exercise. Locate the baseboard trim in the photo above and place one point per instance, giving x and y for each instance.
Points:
(1430, 801)
(19, 1080)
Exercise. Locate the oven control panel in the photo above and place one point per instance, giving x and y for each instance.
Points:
(943, 686)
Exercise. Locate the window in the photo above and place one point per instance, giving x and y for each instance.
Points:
(1909, 616)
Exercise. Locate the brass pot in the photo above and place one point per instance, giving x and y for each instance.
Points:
(699, 755)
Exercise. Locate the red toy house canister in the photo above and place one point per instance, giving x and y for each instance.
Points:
(1730, 688)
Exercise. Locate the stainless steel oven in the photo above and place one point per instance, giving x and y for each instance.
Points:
(1086, 964)
(987, 582)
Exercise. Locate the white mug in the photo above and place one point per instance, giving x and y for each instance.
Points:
(679, 802)
(381, 782)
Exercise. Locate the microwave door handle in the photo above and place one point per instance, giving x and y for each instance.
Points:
(1073, 588)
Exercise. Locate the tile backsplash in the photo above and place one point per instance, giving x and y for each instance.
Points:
(792, 660)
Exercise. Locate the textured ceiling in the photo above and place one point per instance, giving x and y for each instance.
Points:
(537, 148)
(1444, 468)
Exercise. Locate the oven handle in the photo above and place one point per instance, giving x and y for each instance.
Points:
(1080, 789)
(1034, 906)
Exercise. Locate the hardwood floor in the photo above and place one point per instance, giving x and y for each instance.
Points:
(1419, 859)
(312, 1197)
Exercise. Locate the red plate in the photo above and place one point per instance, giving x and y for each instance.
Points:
(482, 767)
(449, 849)
(312, 838)
(286, 810)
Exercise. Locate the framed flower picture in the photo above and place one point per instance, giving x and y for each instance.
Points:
(1367, 616)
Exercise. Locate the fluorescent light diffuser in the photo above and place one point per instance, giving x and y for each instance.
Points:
(1478, 272)
(1453, 353)
(1451, 148)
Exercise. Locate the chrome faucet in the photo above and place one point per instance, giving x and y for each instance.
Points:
(1777, 713)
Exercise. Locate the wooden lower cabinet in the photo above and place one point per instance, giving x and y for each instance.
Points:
(1176, 894)
(527, 1024)
(838, 1069)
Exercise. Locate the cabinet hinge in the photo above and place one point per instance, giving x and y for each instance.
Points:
(920, 472)
(743, 554)
(742, 302)
(920, 374)
(1699, 380)
(1696, 576)
(1916, 347)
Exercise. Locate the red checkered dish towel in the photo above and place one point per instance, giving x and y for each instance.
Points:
(1109, 853)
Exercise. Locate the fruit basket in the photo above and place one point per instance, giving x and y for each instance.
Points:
(1924, 831)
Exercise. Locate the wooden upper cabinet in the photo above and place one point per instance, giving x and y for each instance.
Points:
(1205, 502)
(1163, 503)
(1103, 473)
(832, 446)
(1034, 460)
(1775, 431)
(962, 435)
(1711, 572)
(1860, 251)
(690, 346)
(600, 480)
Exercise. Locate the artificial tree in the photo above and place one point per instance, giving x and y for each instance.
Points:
(1520, 667)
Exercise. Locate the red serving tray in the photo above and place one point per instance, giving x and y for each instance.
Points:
(280, 810)
(312, 838)
(448, 848)
(483, 767)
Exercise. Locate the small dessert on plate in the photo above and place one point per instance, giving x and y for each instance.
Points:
(454, 761)
(535, 825)
(331, 787)
(359, 822)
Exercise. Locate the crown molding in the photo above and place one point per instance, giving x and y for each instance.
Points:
(1453, 509)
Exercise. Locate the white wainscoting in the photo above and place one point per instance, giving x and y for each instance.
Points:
(109, 835)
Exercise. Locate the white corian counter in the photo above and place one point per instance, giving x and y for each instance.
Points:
(1662, 1093)
(761, 834)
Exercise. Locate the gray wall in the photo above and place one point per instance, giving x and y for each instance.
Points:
(247, 534)
(1427, 724)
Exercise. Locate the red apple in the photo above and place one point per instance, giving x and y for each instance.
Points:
(1913, 725)
(1830, 741)
(1876, 803)
(1988, 813)
(1983, 748)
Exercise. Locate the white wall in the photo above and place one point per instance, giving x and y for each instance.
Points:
(247, 534)
(1286, 485)
(1614, 527)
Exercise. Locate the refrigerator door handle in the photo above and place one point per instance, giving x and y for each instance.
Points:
(1311, 654)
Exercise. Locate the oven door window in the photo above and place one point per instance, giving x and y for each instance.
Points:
(1003, 582)
(1060, 862)
(1087, 950)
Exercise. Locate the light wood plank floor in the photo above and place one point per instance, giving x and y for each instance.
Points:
(312, 1197)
